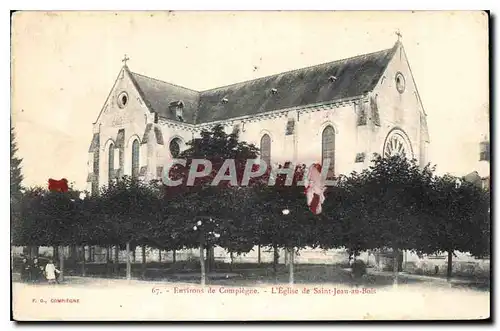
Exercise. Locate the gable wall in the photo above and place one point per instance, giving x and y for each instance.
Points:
(133, 118)
(396, 109)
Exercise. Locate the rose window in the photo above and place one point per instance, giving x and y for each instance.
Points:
(397, 144)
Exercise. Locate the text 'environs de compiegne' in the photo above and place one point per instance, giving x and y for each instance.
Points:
(275, 290)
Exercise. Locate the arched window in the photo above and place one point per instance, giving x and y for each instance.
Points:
(111, 162)
(328, 149)
(265, 149)
(175, 147)
(135, 159)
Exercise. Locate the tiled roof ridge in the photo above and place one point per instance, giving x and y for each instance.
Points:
(298, 69)
(268, 76)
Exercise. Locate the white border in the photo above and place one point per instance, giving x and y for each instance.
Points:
(196, 5)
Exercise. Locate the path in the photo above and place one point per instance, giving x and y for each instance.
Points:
(117, 299)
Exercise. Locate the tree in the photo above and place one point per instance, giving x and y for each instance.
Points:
(458, 219)
(395, 191)
(284, 220)
(47, 219)
(129, 210)
(195, 202)
(16, 176)
(27, 229)
(16, 179)
(344, 221)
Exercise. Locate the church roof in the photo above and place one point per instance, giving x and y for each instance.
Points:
(330, 81)
(158, 95)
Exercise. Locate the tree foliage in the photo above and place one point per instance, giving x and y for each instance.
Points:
(16, 176)
(396, 192)
(394, 204)
(457, 218)
(16, 179)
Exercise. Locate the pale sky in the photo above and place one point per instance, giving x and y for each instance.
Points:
(64, 66)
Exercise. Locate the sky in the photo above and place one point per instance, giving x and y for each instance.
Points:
(64, 65)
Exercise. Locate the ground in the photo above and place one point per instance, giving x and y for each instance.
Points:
(333, 295)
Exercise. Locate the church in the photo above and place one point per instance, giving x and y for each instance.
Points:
(344, 111)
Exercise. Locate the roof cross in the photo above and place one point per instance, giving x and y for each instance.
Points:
(125, 59)
(399, 35)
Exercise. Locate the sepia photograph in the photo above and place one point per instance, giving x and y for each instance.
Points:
(250, 166)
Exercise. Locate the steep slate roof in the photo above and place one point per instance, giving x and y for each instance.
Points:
(158, 95)
(354, 76)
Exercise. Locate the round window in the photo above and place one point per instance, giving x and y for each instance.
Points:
(400, 82)
(122, 99)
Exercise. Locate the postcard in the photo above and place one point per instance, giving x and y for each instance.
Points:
(250, 166)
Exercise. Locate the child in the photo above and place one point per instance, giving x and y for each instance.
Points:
(36, 275)
(50, 271)
(41, 272)
(25, 270)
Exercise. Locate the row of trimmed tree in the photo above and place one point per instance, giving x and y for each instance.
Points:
(394, 204)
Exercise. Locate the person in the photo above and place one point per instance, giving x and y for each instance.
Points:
(50, 272)
(41, 272)
(35, 271)
(25, 270)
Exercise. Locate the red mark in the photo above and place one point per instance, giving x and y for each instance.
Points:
(58, 185)
(315, 189)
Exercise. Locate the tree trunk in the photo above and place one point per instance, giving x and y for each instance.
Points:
(107, 260)
(33, 252)
(450, 265)
(231, 265)
(258, 254)
(117, 262)
(275, 259)
(286, 256)
(395, 265)
(159, 255)
(207, 258)
(143, 267)
(73, 253)
(55, 253)
(405, 265)
(61, 264)
(83, 262)
(173, 256)
(133, 254)
(129, 266)
(202, 264)
(212, 258)
(290, 266)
